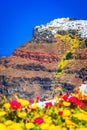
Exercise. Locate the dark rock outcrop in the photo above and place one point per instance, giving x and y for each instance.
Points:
(34, 67)
(82, 73)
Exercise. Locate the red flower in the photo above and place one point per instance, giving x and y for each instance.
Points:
(73, 99)
(60, 113)
(81, 104)
(33, 109)
(65, 97)
(37, 98)
(76, 101)
(38, 120)
(30, 101)
(48, 104)
(15, 104)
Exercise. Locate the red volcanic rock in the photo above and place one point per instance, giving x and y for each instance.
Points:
(43, 57)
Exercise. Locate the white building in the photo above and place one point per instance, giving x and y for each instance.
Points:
(83, 89)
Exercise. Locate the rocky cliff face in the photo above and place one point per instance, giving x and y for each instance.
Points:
(55, 56)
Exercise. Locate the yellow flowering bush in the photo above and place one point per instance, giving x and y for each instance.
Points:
(74, 44)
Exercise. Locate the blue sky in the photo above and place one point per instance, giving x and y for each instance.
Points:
(19, 17)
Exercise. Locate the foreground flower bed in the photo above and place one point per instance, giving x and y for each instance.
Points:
(63, 113)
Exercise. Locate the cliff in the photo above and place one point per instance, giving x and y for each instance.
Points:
(55, 57)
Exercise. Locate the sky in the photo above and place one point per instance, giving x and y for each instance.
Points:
(19, 17)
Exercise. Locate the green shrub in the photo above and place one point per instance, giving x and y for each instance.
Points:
(69, 55)
(59, 70)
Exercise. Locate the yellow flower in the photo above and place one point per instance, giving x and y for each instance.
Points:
(71, 128)
(22, 114)
(2, 113)
(83, 111)
(70, 124)
(80, 116)
(15, 126)
(34, 106)
(65, 103)
(72, 110)
(2, 127)
(8, 122)
(44, 126)
(29, 126)
(81, 129)
(52, 127)
(7, 105)
(23, 102)
(63, 128)
(59, 127)
(66, 112)
(47, 120)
